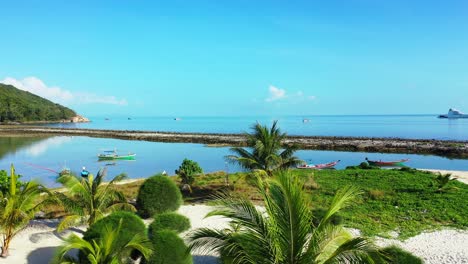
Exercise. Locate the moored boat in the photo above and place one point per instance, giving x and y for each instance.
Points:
(380, 163)
(113, 155)
(319, 166)
(454, 113)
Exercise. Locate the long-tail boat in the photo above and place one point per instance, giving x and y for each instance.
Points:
(380, 163)
(113, 155)
(319, 166)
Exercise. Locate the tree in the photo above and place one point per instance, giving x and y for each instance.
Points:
(266, 152)
(111, 248)
(187, 171)
(17, 207)
(88, 199)
(442, 180)
(284, 233)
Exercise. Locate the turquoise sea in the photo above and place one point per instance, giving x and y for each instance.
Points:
(41, 157)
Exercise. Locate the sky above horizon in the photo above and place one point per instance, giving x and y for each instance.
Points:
(231, 58)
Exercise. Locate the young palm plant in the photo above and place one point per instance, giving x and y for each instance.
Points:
(110, 249)
(264, 150)
(17, 207)
(284, 232)
(88, 199)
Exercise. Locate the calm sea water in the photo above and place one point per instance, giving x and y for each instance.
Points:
(37, 158)
(403, 126)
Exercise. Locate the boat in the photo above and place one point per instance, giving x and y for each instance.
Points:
(113, 155)
(329, 165)
(454, 113)
(305, 120)
(380, 163)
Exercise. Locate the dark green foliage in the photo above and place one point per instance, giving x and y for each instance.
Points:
(5, 181)
(187, 170)
(131, 224)
(364, 166)
(158, 194)
(441, 182)
(169, 248)
(319, 213)
(170, 221)
(400, 256)
(18, 106)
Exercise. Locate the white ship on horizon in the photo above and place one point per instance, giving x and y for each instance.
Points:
(454, 113)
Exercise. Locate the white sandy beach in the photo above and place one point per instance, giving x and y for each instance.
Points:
(38, 242)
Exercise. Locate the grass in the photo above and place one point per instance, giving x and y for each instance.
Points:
(405, 201)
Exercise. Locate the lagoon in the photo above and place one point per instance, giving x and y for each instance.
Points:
(41, 157)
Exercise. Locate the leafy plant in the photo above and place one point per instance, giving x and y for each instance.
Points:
(112, 247)
(87, 199)
(158, 194)
(5, 181)
(284, 233)
(266, 152)
(17, 207)
(441, 181)
(170, 221)
(187, 170)
(128, 222)
(169, 248)
(400, 256)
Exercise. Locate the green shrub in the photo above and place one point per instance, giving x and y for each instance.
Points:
(131, 225)
(170, 221)
(399, 256)
(187, 170)
(169, 248)
(158, 194)
(376, 194)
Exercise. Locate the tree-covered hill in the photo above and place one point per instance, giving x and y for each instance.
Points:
(20, 106)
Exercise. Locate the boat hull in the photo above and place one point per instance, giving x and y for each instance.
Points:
(399, 163)
(319, 166)
(117, 157)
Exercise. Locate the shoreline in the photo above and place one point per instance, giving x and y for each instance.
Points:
(444, 148)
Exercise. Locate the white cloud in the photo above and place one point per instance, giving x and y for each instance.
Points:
(276, 94)
(56, 94)
(279, 94)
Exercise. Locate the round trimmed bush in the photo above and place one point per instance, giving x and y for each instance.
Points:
(158, 194)
(170, 221)
(169, 248)
(131, 225)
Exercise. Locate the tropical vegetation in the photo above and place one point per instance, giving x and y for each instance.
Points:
(187, 171)
(265, 150)
(170, 221)
(88, 199)
(17, 106)
(18, 204)
(169, 248)
(284, 233)
(112, 247)
(158, 194)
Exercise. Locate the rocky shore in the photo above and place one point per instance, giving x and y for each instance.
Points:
(446, 148)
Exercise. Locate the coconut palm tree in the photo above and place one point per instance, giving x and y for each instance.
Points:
(17, 207)
(88, 199)
(109, 249)
(284, 231)
(266, 152)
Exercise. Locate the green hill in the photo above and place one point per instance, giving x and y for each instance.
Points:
(20, 106)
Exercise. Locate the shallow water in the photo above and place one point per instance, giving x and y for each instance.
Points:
(42, 158)
(403, 126)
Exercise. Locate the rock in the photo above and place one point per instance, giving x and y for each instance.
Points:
(79, 119)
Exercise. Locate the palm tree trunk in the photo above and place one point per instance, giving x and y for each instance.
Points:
(6, 244)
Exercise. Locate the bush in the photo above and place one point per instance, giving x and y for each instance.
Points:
(170, 221)
(376, 194)
(399, 255)
(131, 225)
(187, 170)
(169, 248)
(158, 194)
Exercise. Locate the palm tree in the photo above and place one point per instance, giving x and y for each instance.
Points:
(284, 233)
(109, 249)
(17, 207)
(88, 199)
(266, 152)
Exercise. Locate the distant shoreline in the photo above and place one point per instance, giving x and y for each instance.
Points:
(445, 148)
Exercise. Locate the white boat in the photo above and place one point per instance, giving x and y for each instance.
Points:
(454, 113)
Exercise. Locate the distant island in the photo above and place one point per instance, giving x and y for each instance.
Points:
(18, 106)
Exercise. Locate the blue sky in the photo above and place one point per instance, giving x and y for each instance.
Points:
(185, 58)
